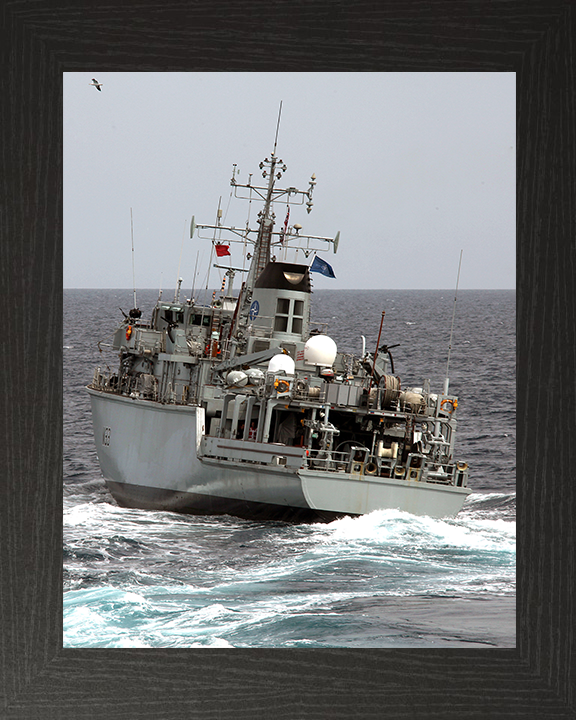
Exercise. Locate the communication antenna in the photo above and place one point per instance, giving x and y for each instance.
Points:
(133, 273)
(194, 280)
(178, 278)
(217, 226)
(446, 381)
(277, 126)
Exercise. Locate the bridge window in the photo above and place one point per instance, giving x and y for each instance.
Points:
(283, 307)
(289, 315)
(297, 316)
(197, 319)
(282, 313)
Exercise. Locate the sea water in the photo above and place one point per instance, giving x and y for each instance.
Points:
(137, 578)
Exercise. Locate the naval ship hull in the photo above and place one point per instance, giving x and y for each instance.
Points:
(241, 406)
(158, 456)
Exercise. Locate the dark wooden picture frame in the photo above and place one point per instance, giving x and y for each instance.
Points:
(40, 41)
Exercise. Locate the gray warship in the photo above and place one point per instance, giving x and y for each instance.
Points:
(241, 406)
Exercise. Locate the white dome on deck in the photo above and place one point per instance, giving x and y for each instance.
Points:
(282, 362)
(320, 350)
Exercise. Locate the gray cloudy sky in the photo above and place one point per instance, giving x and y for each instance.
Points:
(410, 167)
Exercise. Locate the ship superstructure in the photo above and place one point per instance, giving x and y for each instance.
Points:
(243, 406)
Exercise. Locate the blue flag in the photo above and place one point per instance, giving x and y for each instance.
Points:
(321, 266)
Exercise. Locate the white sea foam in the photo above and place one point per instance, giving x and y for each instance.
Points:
(394, 527)
(219, 643)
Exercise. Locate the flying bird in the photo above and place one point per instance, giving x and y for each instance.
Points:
(96, 84)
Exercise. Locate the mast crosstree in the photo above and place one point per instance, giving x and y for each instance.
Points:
(272, 169)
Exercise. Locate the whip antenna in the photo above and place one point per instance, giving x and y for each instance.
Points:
(452, 328)
(278, 126)
(133, 273)
(194, 280)
(178, 278)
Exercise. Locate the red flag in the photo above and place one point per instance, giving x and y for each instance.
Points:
(222, 249)
(283, 234)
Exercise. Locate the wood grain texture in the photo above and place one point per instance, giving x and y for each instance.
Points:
(40, 41)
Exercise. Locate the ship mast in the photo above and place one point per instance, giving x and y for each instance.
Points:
(261, 256)
(265, 217)
(272, 170)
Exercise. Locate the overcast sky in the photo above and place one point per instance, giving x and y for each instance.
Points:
(411, 168)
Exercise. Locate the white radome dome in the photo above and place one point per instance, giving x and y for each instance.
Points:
(282, 362)
(320, 350)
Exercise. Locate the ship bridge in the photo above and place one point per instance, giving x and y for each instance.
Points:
(280, 308)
